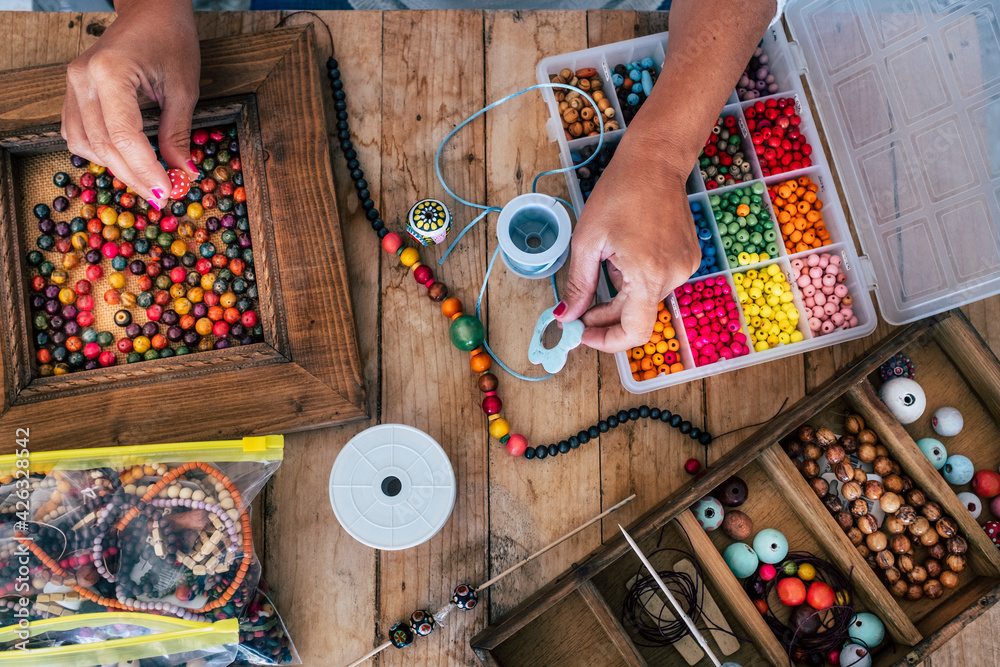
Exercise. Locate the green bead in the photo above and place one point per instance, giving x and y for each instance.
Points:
(150, 355)
(504, 439)
(467, 333)
(182, 350)
(133, 357)
(772, 249)
(758, 188)
(105, 338)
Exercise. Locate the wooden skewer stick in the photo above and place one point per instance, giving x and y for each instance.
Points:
(487, 584)
(670, 596)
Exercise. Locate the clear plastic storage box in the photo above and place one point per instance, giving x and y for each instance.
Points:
(908, 94)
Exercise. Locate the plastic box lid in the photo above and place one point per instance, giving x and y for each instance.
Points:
(908, 92)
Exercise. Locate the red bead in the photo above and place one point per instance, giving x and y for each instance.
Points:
(492, 405)
(179, 182)
(391, 242)
(423, 273)
(692, 466)
(220, 329)
(91, 350)
(95, 272)
(107, 358)
(178, 274)
(516, 444)
(168, 224)
(124, 345)
(109, 250)
(85, 302)
(249, 319)
(84, 318)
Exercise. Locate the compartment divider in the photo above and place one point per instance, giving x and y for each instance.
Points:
(973, 358)
(984, 555)
(606, 617)
(714, 568)
(810, 511)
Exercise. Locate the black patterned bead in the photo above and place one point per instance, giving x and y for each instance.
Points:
(644, 411)
(593, 432)
(613, 421)
(623, 416)
(685, 427)
(563, 447)
(654, 413)
(675, 421)
(553, 450)
(603, 426)
(633, 414)
(541, 451)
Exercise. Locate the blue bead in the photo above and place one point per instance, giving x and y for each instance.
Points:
(704, 233)
(695, 206)
(635, 74)
(741, 559)
(576, 157)
(646, 62)
(770, 546)
(617, 79)
(867, 629)
(647, 82)
(632, 99)
(958, 470)
(934, 450)
(637, 88)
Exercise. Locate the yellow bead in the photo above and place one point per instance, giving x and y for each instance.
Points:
(784, 338)
(195, 210)
(754, 258)
(761, 346)
(499, 428)
(207, 281)
(80, 241)
(126, 219)
(182, 306)
(66, 295)
(415, 266)
(806, 572)
(409, 256)
(178, 248)
(109, 216)
(764, 257)
(752, 274)
(141, 344)
(59, 276)
(97, 169)
(796, 336)
(773, 270)
(116, 280)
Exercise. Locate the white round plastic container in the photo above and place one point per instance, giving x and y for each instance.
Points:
(392, 487)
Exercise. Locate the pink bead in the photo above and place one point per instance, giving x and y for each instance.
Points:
(827, 327)
(847, 312)
(837, 319)
(827, 290)
(813, 260)
(690, 322)
(797, 265)
(726, 353)
(817, 311)
(699, 286)
(814, 324)
(685, 312)
(737, 349)
(516, 444)
(687, 289)
(392, 242)
(684, 300)
(726, 289)
(836, 260)
(720, 312)
(854, 321)
(802, 281)
(820, 299)
(734, 328)
(840, 290)
(830, 308)
(815, 272)
(725, 337)
(703, 321)
(692, 335)
(835, 300)
(808, 290)
(809, 301)
(739, 337)
(829, 281)
(824, 260)
(833, 269)
(710, 282)
(841, 277)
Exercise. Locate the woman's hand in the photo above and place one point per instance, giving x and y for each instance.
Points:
(638, 219)
(152, 47)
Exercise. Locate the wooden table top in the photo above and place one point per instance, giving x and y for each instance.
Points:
(410, 77)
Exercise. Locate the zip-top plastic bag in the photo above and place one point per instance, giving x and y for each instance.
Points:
(139, 555)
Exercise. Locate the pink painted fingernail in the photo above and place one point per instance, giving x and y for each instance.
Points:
(559, 309)
(158, 193)
(153, 204)
(192, 166)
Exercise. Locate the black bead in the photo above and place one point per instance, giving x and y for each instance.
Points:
(633, 414)
(574, 441)
(331, 63)
(361, 184)
(373, 214)
(353, 164)
(685, 427)
(644, 411)
(351, 154)
(343, 115)
(541, 451)
(612, 421)
(654, 413)
(705, 438)
(367, 204)
(346, 145)
(553, 450)
(584, 437)
(344, 134)
(623, 416)
(569, 445)
(337, 84)
(563, 447)
(695, 432)
(675, 421)
(339, 95)
(340, 106)
(341, 124)
(382, 233)
(603, 426)
(357, 175)
(378, 224)
(364, 194)
(665, 416)
(529, 453)
(593, 432)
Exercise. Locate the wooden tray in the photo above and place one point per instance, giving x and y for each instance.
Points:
(306, 373)
(954, 367)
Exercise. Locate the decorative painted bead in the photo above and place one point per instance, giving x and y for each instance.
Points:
(466, 333)
(409, 256)
(465, 597)
(401, 634)
(709, 513)
(742, 560)
(899, 366)
(391, 242)
(904, 398)
(958, 470)
(428, 221)
(972, 503)
(732, 493)
(866, 629)
(992, 529)
(692, 466)
(422, 623)
(770, 546)
(934, 450)
(947, 422)
(516, 444)
(180, 183)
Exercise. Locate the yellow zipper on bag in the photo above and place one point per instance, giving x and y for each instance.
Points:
(259, 448)
(173, 636)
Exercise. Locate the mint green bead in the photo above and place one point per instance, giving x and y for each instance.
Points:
(756, 238)
(741, 559)
(467, 333)
(757, 188)
(737, 248)
(742, 236)
(770, 235)
(713, 201)
(727, 242)
(733, 227)
(752, 219)
(772, 249)
(732, 260)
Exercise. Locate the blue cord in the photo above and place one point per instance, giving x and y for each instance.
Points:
(489, 209)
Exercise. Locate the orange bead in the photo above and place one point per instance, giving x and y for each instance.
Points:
(451, 306)
(481, 362)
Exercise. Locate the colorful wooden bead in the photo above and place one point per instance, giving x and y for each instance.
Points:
(422, 622)
(451, 307)
(709, 513)
(732, 493)
(820, 596)
(899, 366)
(770, 546)
(467, 332)
(428, 221)
(465, 597)
(391, 242)
(972, 503)
(180, 183)
(516, 444)
(866, 629)
(904, 398)
(947, 422)
(737, 525)
(791, 591)
(958, 470)
(992, 529)
(986, 484)
(692, 466)
(409, 256)
(743, 561)
(401, 634)
(934, 450)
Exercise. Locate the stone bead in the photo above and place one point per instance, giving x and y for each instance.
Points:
(467, 332)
